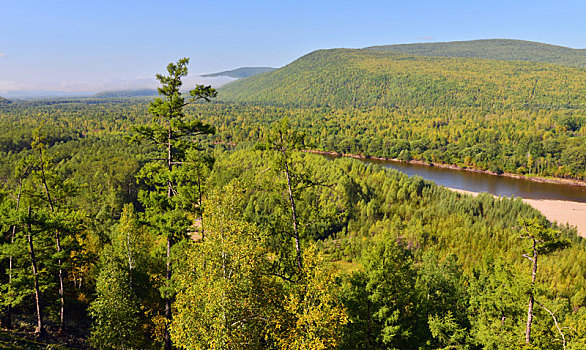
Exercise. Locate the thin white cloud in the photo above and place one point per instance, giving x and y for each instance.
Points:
(2, 55)
(67, 85)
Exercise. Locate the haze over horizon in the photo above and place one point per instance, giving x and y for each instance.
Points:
(68, 47)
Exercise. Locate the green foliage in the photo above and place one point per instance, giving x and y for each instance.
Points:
(115, 310)
(448, 331)
(320, 202)
(496, 49)
(313, 315)
(125, 293)
(172, 134)
(388, 261)
(545, 239)
(223, 300)
(497, 299)
(443, 297)
(342, 78)
(391, 282)
(229, 298)
(518, 117)
(131, 244)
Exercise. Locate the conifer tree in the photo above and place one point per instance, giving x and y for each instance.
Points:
(9, 225)
(543, 240)
(496, 305)
(173, 133)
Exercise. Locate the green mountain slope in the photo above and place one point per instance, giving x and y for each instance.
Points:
(366, 78)
(242, 72)
(498, 49)
(4, 101)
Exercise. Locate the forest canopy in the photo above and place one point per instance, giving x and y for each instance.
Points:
(131, 223)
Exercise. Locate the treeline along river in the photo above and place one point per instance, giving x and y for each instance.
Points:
(481, 182)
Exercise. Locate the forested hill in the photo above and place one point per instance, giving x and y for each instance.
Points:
(366, 78)
(4, 101)
(497, 49)
(242, 72)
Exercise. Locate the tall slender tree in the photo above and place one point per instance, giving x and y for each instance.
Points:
(21, 172)
(543, 240)
(284, 140)
(52, 193)
(40, 330)
(43, 166)
(173, 133)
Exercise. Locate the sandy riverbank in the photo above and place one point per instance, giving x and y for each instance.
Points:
(573, 213)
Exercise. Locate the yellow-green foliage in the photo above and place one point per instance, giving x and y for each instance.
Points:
(497, 49)
(362, 78)
(314, 318)
(222, 298)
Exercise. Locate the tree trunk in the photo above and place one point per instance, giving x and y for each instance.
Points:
(8, 316)
(7, 322)
(203, 234)
(293, 213)
(61, 289)
(129, 253)
(531, 295)
(293, 218)
(168, 313)
(529, 320)
(59, 262)
(40, 330)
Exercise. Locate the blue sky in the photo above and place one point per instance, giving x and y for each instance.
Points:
(88, 46)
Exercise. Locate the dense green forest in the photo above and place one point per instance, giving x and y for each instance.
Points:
(534, 143)
(128, 223)
(366, 78)
(497, 49)
(497, 115)
(537, 143)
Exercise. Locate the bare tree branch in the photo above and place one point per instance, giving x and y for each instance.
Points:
(556, 323)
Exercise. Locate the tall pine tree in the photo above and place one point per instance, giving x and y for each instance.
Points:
(173, 133)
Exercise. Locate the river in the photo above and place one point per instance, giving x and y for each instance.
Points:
(480, 182)
(561, 203)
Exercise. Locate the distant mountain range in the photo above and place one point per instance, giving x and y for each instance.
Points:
(480, 73)
(126, 93)
(242, 72)
(497, 49)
